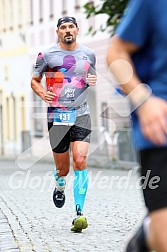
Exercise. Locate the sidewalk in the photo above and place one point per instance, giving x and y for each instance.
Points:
(114, 209)
(7, 242)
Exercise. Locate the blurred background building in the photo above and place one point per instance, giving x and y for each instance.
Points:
(14, 75)
(26, 28)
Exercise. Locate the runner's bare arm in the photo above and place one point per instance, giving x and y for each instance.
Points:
(36, 85)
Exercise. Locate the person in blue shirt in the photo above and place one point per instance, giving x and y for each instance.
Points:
(141, 40)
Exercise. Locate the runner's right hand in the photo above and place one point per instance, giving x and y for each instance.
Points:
(49, 96)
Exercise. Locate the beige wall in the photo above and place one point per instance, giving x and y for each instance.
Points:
(14, 69)
(13, 15)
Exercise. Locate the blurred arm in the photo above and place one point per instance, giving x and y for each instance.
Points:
(119, 62)
(153, 111)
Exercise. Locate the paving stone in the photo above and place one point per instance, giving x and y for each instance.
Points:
(113, 210)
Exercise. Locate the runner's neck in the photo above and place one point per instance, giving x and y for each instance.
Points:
(69, 47)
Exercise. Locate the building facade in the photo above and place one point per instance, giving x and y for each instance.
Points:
(15, 75)
(32, 28)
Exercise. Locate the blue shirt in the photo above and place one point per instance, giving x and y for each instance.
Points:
(144, 24)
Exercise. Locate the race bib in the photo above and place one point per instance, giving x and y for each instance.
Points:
(64, 117)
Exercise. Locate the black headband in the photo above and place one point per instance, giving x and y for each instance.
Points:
(66, 20)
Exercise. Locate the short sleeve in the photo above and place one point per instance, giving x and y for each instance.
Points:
(40, 66)
(134, 25)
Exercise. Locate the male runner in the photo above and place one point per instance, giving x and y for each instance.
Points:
(69, 68)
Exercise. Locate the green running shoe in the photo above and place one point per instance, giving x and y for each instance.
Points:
(79, 222)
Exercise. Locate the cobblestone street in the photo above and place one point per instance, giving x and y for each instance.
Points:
(29, 221)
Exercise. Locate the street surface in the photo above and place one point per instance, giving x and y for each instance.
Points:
(29, 221)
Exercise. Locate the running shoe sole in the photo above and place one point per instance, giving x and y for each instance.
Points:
(59, 202)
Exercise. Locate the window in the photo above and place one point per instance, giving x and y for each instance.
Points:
(8, 118)
(64, 7)
(4, 15)
(11, 14)
(32, 40)
(41, 11)
(20, 11)
(14, 116)
(92, 2)
(52, 35)
(22, 113)
(51, 9)
(104, 115)
(6, 73)
(1, 124)
(91, 19)
(41, 37)
(77, 5)
(31, 12)
(37, 110)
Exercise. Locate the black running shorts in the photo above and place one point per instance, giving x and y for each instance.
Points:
(60, 135)
(154, 167)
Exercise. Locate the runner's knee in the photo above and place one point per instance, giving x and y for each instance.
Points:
(80, 163)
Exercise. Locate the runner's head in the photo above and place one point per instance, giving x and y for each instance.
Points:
(66, 19)
(67, 30)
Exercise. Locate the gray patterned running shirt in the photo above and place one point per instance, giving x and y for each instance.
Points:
(66, 72)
